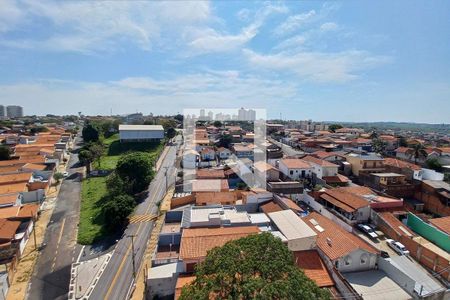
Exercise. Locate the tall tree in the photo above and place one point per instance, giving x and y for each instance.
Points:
(417, 151)
(334, 127)
(402, 142)
(225, 141)
(217, 124)
(90, 133)
(378, 145)
(171, 132)
(117, 209)
(434, 164)
(259, 266)
(135, 168)
(97, 151)
(86, 158)
(5, 152)
(373, 135)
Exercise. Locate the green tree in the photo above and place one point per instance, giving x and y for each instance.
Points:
(225, 141)
(86, 158)
(5, 152)
(417, 151)
(259, 266)
(334, 127)
(90, 133)
(378, 145)
(116, 210)
(136, 169)
(97, 151)
(373, 135)
(171, 132)
(402, 142)
(115, 184)
(217, 124)
(58, 177)
(434, 164)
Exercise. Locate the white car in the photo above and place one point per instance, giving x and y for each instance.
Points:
(397, 247)
(368, 230)
(65, 174)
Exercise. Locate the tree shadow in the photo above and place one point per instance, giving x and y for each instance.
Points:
(117, 148)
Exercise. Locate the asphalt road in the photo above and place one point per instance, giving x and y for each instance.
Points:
(287, 150)
(51, 275)
(117, 279)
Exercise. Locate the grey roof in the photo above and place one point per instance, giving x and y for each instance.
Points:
(438, 184)
(290, 225)
(368, 156)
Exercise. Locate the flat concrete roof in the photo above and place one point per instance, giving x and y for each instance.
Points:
(388, 175)
(140, 127)
(375, 285)
(290, 225)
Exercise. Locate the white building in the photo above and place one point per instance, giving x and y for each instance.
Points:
(298, 234)
(295, 168)
(140, 133)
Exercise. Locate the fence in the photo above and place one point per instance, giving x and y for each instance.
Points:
(429, 232)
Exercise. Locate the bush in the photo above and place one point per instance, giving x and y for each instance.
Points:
(136, 169)
(117, 209)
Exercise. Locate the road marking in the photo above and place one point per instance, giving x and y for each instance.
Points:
(79, 255)
(61, 232)
(158, 189)
(142, 218)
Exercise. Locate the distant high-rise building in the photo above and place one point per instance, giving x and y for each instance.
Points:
(2, 111)
(14, 111)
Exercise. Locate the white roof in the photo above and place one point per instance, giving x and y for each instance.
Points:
(279, 235)
(140, 127)
(259, 218)
(165, 271)
(290, 225)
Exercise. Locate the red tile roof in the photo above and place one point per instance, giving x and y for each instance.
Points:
(181, 282)
(333, 240)
(15, 178)
(324, 154)
(209, 174)
(210, 185)
(294, 163)
(311, 263)
(400, 164)
(215, 198)
(320, 162)
(270, 207)
(442, 224)
(344, 199)
(196, 242)
(8, 229)
(402, 149)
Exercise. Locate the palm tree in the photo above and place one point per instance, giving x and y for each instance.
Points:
(378, 146)
(417, 151)
(374, 135)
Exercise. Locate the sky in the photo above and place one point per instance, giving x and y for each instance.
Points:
(335, 61)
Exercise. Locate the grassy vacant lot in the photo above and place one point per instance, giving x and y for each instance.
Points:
(91, 221)
(115, 149)
(93, 189)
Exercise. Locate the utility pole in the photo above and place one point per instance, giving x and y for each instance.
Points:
(165, 174)
(132, 255)
(34, 231)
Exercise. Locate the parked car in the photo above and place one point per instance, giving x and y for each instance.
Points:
(65, 174)
(368, 230)
(397, 247)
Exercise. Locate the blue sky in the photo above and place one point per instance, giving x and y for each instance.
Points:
(344, 61)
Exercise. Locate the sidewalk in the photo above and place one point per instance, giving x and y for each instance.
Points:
(140, 285)
(25, 267)
(161, 158)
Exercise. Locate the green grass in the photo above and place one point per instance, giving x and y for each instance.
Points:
(115, 149)
(91, 227)
(93, 189)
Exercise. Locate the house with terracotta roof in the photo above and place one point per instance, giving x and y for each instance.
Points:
(295, 168)
(346, 251)
(209, 185)
(443, 224)
(321, 168)
(390, 141)
(365, 163)
(223, 153)
(310, 262)
(209, 174)
(347, 206)
(211, 198)
(265, 172)
(410, 170)
(196, 242)
(207, 154)
(333, 157)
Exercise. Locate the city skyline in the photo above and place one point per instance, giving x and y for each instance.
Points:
(325, 61)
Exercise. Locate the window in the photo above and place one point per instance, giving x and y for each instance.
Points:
(291, 172)
(348, 260)
(364, 258)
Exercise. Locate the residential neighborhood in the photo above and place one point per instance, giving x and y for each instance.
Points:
(239, 150)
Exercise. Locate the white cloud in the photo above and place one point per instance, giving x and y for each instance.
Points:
(294, 22)
(10, 15)
(227, 89)
(90, 26)
(329, 26)
(205, 40)
(318, 66)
